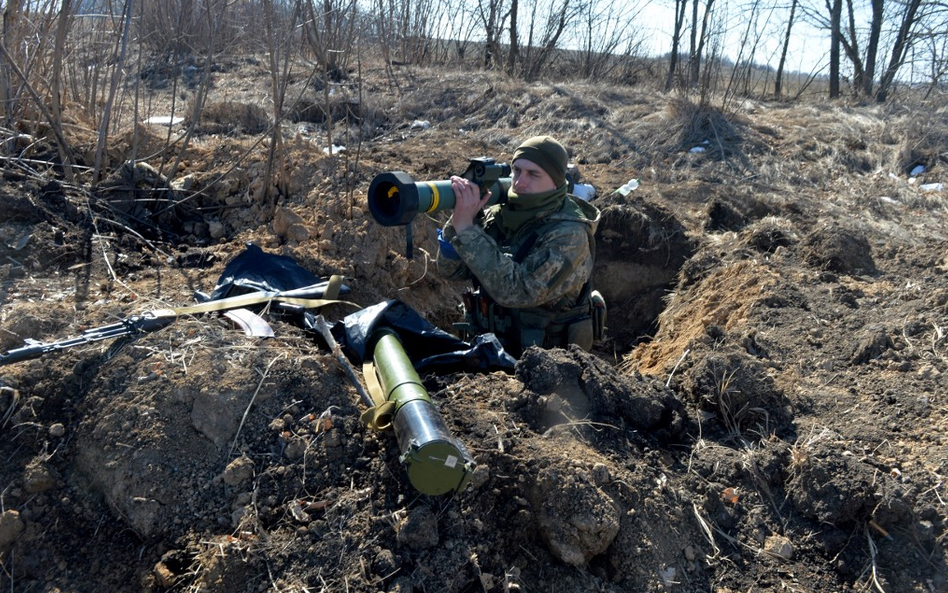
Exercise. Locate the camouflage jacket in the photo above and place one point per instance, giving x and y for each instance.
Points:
(550, 275)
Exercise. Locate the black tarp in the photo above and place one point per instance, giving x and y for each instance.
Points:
(256, 270)
(430, 349)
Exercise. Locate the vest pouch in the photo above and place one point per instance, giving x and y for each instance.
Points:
(580, 332)
(598, 313)
(533, 326)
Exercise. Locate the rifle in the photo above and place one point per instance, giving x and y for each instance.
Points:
(312, 296)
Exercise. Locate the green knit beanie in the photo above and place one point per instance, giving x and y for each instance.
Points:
(546, 152)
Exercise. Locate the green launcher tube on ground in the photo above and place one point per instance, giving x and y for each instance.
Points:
(436, 461)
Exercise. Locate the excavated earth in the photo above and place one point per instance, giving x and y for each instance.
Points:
(768, 412)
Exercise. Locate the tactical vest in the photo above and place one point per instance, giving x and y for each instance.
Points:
(581, 323)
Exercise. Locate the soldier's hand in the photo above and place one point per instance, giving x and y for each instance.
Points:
(467, 202)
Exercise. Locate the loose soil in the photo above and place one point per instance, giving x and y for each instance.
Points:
(767, 413)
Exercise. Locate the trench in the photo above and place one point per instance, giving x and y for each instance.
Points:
(640, 250)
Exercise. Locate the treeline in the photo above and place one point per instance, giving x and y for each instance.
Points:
(95, 54)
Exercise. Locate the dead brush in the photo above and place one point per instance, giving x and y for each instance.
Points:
(723, 400)
(801, 450)
(693, 124)
(922, 141)
(927, 346)
(734, 411)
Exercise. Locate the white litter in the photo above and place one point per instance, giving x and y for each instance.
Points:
(420, 124)
(629, 187)
(334, 149)
(932, 187)
(164, 120)
(584, 191)
(697, 149)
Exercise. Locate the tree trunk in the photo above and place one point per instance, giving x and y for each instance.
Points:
(514, 45)
(680, 8)
(835, 35)
(850, 46)
(122, 51)
(903, 42)
(872, 47)
(694, 67)
(702, 39)
(778, 81)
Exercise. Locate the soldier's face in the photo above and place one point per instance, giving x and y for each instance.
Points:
(530, 178)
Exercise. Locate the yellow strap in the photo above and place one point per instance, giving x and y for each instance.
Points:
(379, 416)
(333, 287)
(241, 301)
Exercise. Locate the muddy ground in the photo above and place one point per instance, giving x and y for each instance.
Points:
(767, 413)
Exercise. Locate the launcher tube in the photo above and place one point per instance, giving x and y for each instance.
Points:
(436, 461)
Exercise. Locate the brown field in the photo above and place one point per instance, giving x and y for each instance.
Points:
(768, 413)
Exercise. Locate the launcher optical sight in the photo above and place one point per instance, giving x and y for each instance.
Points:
(395, 198)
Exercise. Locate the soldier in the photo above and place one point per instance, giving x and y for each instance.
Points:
(530, 259)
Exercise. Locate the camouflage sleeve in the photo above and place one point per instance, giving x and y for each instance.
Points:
(454, 269)
(558, 264)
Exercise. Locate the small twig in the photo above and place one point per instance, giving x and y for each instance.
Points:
(500, 439)
(243, 419)
(675, 368)
(425, 272)
(872, 552)
(706, 529)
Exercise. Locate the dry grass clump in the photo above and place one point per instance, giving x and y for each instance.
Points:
(227, 117)
(923, 141)
(702, 125)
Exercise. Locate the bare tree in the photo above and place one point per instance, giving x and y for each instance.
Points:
(25, 63)
(778, 81)
(329, 28)
(835, 11)
(604, 37)
(492, 14)
(512, 52)
(909, 17)
(545, 31)
(935, 40)
(904, 39)
(872, 47)
(743, 77)
(214, 20)
(121, 51)
(280, 37)
(458, 26)
(681, 7)
(699, 38)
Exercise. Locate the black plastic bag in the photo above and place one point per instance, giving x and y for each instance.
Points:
(255, 270)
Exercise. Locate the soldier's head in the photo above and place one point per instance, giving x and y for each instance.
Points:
(539, 165)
